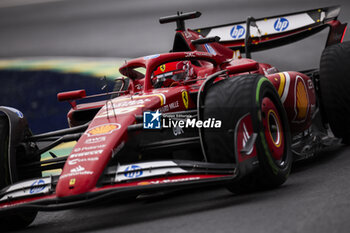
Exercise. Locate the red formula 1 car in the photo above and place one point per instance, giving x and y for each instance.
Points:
(198, 115)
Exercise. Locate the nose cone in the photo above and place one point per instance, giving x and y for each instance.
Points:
(81, 174)
(88, 159)
(75, 185)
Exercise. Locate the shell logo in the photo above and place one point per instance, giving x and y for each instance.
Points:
(103, 129)
(302, 100)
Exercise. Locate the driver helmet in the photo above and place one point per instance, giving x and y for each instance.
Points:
(177, 71)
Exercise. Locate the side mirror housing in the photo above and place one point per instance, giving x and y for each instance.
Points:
(71, 95)
(242, 68)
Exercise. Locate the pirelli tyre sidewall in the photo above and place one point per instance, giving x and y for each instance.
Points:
(334, 89)
(274, 168)
(230, 100)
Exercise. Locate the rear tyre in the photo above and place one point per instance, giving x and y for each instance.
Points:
(230, 101)
(334, 88)
(24, 218)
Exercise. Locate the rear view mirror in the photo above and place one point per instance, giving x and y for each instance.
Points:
(71, 95)
(242, 68)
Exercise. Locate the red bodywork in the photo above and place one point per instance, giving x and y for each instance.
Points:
(107, 132)
(295, 89)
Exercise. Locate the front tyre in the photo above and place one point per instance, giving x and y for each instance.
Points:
(18, 220)
(247, 105)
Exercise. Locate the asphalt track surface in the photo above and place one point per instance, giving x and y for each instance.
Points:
(316, 197)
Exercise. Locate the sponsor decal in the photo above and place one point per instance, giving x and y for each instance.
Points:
(25, 188)
(243, 132)
(160, 91)
(82, 173)
(77, 169)
(204, 54)
(174, 105)
(271, 70)
(78, 149)
(103, 129)
(151, 120)
(162, 68)
(72, 182)
(34, 188)
(145, 98)
(112, 112)
(301, 101)
(75, 161)
(170, 106)
(146, 169)
(246, 137)
(237, 32)
(133, 171)
(87, 153)
(95, 140)
(120, 104)
(193, 54)
(184, 95)
(210, 49)
(281, 24)
(190, 54)
(151, 56)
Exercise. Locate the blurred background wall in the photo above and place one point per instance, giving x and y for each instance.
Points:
(86, 38)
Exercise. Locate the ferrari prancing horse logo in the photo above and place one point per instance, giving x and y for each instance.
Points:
(185, 98)
(162, 67)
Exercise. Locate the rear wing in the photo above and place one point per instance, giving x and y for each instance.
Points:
(264, 33)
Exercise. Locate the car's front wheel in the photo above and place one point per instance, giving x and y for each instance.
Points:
(249, 106)
(21, 219)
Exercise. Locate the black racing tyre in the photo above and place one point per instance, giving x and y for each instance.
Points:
(17, 220)
(334, 88)
(4, 139)
(230, 101)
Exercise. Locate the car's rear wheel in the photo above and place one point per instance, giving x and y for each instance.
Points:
(249, 106)
(16, 220)
(334, 87)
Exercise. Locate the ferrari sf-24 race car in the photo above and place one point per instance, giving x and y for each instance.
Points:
(198, 115)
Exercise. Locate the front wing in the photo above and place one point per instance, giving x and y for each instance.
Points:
(119, 181)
